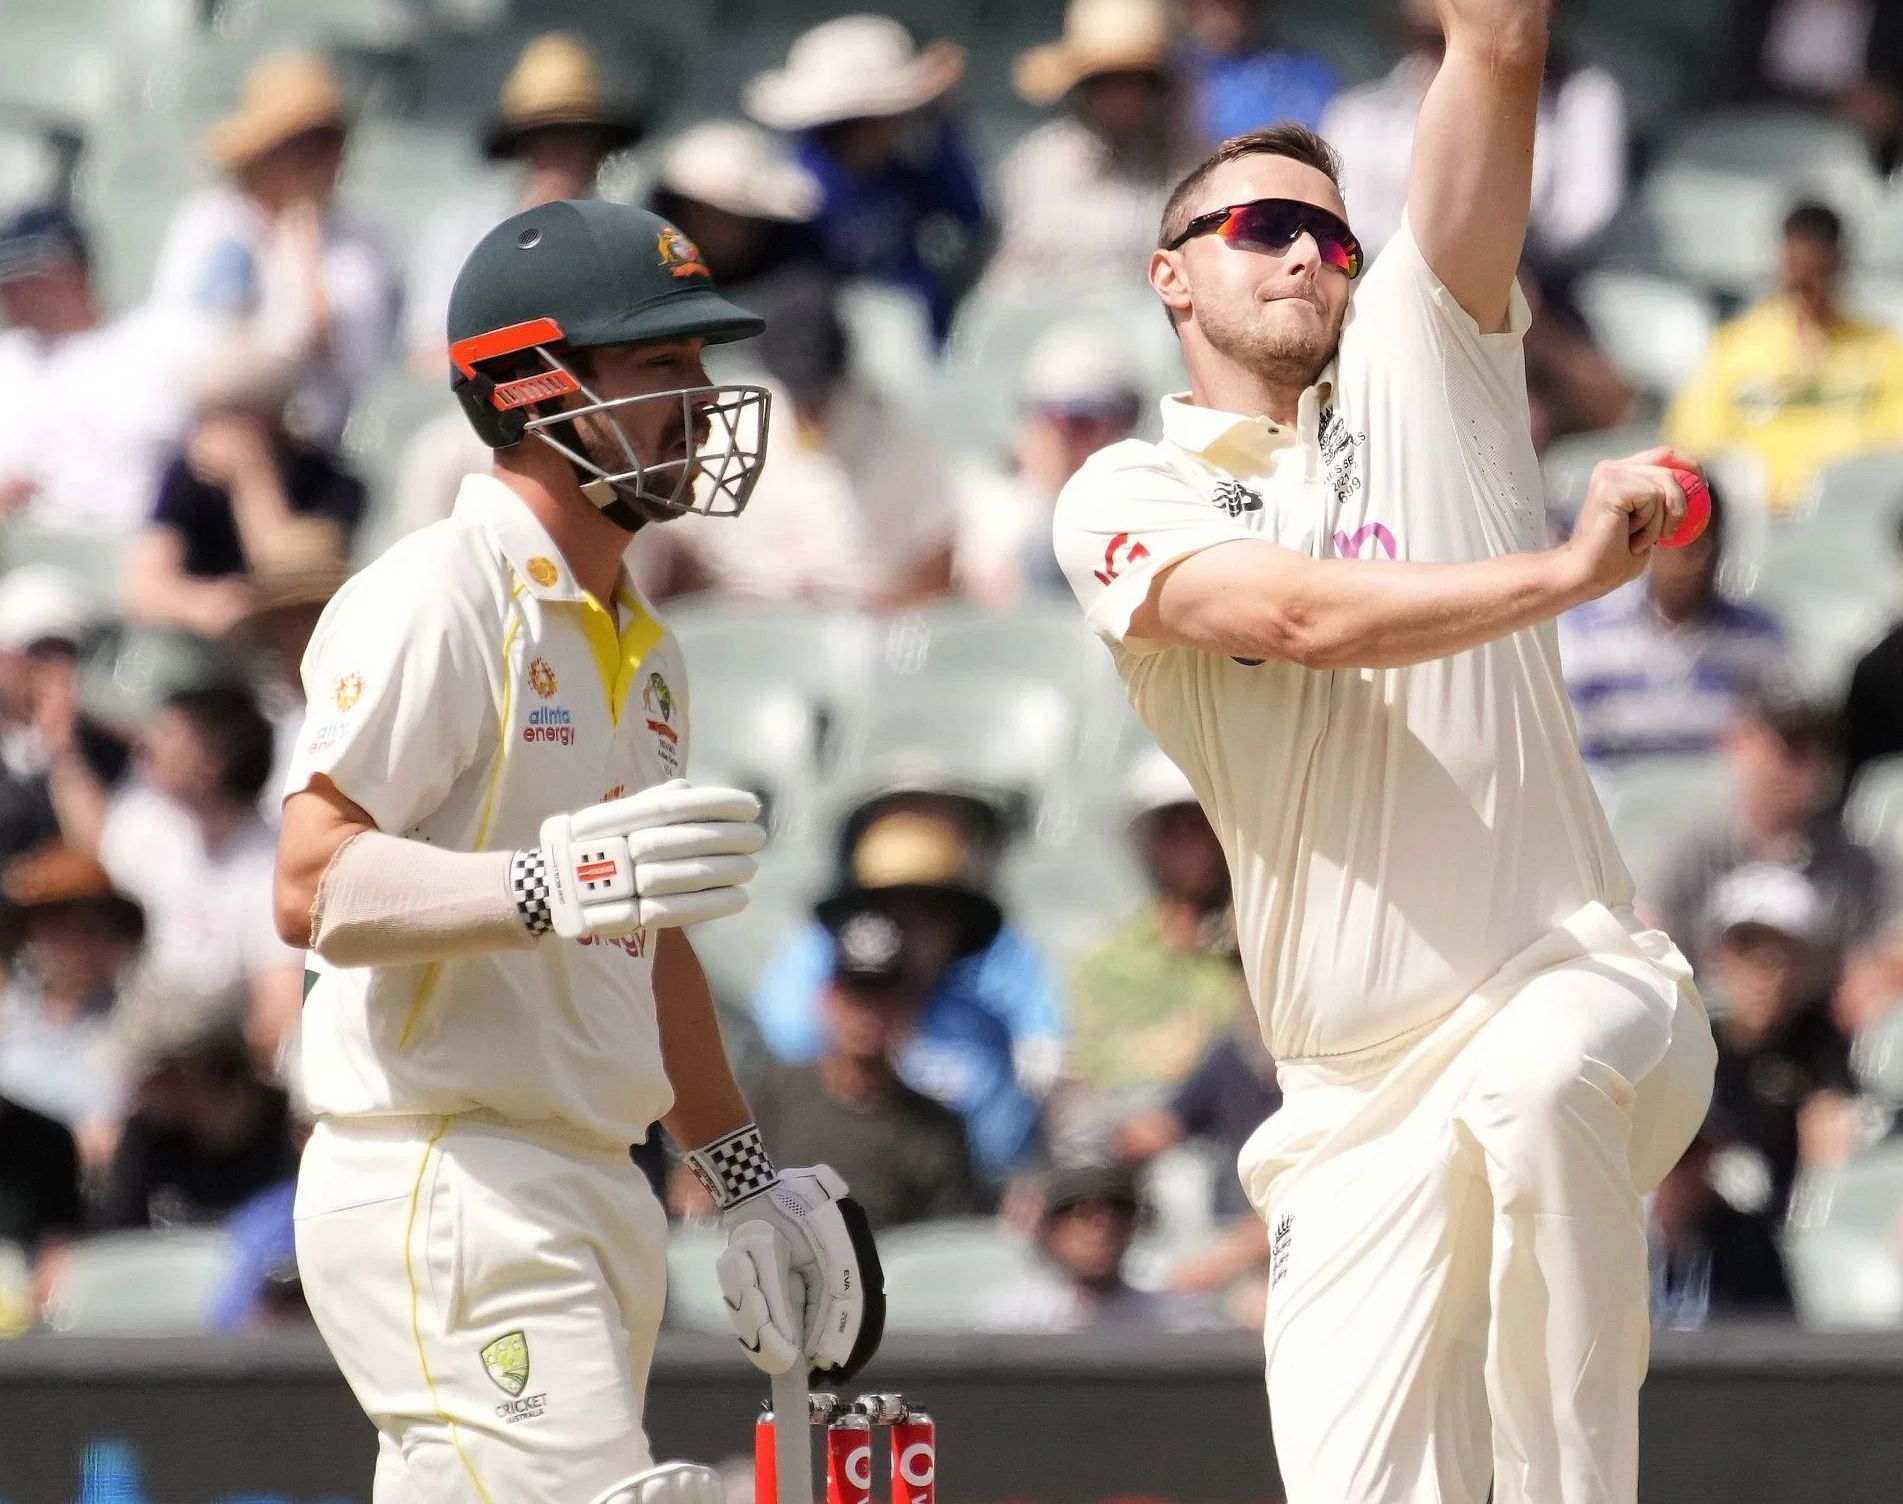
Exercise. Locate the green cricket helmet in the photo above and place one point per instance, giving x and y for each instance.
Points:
(584, 273)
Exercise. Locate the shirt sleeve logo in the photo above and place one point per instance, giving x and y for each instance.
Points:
(1235, 498)
(1118, 555)
(349, 690)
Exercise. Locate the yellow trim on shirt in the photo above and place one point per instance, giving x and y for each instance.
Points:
(430, 972)
(618, 656)
(416, 1306)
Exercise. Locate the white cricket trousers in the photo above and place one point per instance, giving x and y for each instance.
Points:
(1458, 1292)
(492, 1295)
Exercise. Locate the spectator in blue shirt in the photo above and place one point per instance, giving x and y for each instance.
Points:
(900, 200)
(989, 1039)
(1660, 667)
(1236, 83)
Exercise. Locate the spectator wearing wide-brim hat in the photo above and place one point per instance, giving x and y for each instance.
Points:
(990, 1037)
(67, 936)
(269, 248)
(1081, 196)
(556, 120)
(901, 200)
(557, 86)
(922, 871)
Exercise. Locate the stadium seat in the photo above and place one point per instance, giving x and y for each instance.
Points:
(1653, 329)
(943, 1276)
(889, 334)
(1791, 146)
(995, 329)
(1714, 227)
(735, 951)
(1045, 640)
(1656, 800)
(1006, 730)
(1876, 1060)
(29, 167)
(139, 1284)
(91, 558)
(1874, 810)
(1094, 869)
(1568, 463)
(56, 65)
(1879, 298)
(400, 177)
(1831, 574)
(758, 734)
(391, 411)
(1841, 1243)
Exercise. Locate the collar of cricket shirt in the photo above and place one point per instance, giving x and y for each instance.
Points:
(1240, 442)
(524, 542)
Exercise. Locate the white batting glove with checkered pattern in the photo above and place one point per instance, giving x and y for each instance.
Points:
(670, 855)
(800, 1274)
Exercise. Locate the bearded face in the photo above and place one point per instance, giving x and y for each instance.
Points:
(1278, 315)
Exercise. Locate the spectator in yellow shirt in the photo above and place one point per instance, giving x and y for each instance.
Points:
(1797, 382)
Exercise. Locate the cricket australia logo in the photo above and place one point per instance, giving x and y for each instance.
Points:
(507, 1361)
(1235, 498)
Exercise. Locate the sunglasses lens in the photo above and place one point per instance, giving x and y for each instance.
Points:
(1275, 224)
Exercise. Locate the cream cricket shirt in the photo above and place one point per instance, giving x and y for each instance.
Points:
(1394, 835)
(461, 689)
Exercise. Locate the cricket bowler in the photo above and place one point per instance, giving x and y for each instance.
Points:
(490, 849)
(1330, 595)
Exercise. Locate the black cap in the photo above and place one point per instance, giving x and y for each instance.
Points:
(39, 238)
(868, 947)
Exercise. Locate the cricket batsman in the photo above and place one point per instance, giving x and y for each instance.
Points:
(1330, 596)
(490, 849)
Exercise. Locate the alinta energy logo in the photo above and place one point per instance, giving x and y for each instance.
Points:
(547, 723)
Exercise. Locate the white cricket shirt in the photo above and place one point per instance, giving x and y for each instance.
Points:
(1395, 835)
(461, 689)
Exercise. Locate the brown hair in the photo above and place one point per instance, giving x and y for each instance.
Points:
(1289, 139)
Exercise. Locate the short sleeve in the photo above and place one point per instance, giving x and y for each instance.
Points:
(1122, 520)
(1421, 325)
(398, 694)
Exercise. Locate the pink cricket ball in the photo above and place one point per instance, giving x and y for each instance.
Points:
(1697, 508)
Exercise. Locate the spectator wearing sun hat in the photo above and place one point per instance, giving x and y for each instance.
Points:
(1080, 197)
(268, 247)
(989, 1039)
(556, 122)
(901, 201)
(1079, 393)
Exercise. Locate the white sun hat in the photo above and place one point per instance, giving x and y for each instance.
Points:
(1079, 363)
(853, 68)
(739, 168)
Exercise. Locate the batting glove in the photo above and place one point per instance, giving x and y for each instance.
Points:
(669, 855)
(800, 1274)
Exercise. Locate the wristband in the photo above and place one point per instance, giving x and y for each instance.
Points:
(735, 1167)
(528, 881)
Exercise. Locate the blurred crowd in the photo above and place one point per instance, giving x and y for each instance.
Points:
(911, 1030)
